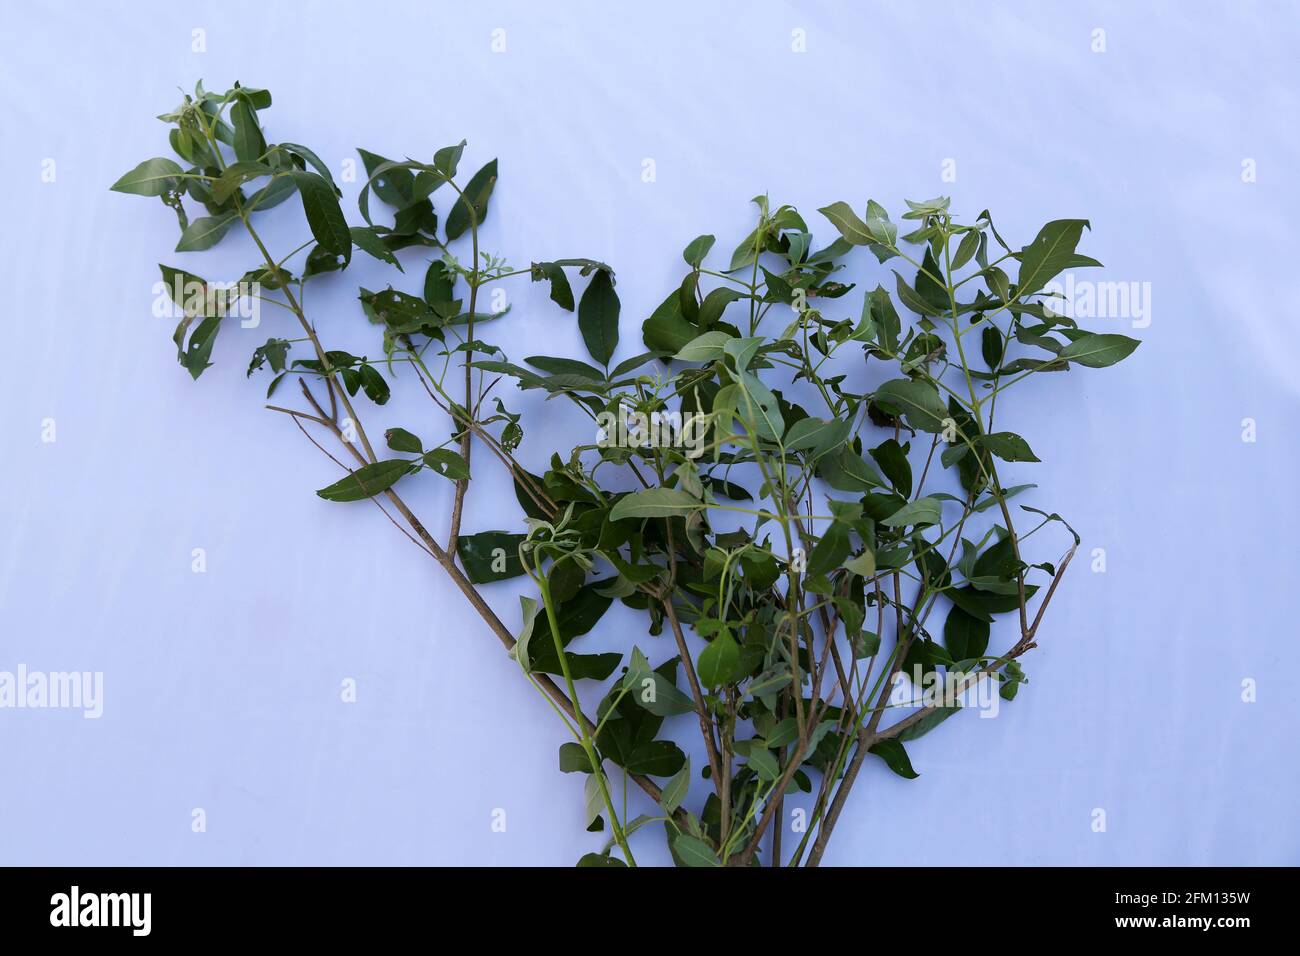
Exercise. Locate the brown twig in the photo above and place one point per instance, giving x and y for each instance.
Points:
(697, 693)
(485, 611)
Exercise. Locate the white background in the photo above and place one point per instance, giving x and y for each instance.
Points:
(222, 689)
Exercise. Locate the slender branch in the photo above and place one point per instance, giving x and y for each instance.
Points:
(716, 766)
(462, 486)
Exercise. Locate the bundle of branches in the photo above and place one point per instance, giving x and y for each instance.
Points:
(787, 494)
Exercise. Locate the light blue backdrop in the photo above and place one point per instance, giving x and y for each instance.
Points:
(222, 689)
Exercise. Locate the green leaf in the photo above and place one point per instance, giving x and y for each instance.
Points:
(272, 194)
(965, 636)
(399, 439)
(1008, 446)
(866, 645)
(1011, 678)
(1007, 493)
(704, 348)
(891, 458)
(693, 851)
(320, 261)
(447, 463)
(447, 159)
(892, 753)
(236, 175)
(928, 207)
(927, 723)
(881, 229)
(765, 686)
(697, 249)
(400, 311)
(715, 303)
(998, 283)
(759, 408)
(373, 384)
(674, 791)
(913, 299)
(929, 282)
(392, 185)
(519, 652)
(627, 737)
(575, 617)
(153, 177)
(1099, 350)
(966, 250)
(657, 758)
(922, 511)
(991, 346)
(830, 551)
(997, 561)
(864, 564)
(439, 284)
(844, 219)
(259, 98)
(719, 661)
(490, 555)
(368, 241)
(573, 759)
(310, 158)
(367, 481)
(918, 401)
(249, 143)
(472, 205)
(1050, 252)
(565, 366)
(324, 216)
(635, 362)
(746, 252)
(561, 291)
(655, 503)
(661, 696)
(816, 435)
(878, 307)
(763, 762)
(205, 232)
(193, 295)
(845, 470)
(973, 602)
(741, 351)
(594, 801)
(195, 356)
(667, 330)
(598, 317)
(274, 350)
(784, 733)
